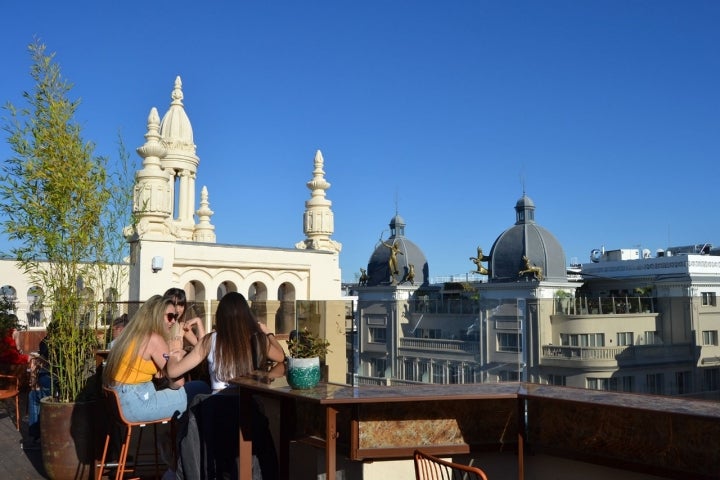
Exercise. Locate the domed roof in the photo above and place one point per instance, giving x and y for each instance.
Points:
(526, 240)
(409, 257)
(175, 125)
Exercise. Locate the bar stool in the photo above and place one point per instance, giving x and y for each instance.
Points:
(10, 388)
(118, 419)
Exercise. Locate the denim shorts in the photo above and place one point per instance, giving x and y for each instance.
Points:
(142, 403)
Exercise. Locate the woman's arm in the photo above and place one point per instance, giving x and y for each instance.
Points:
(158, 349)
(179, 363)
(275, 351)
(193, 336)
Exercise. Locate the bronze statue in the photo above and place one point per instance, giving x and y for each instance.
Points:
(478, 262)
(410, 277)
(392, 260)
(363, 277)
(533, 270)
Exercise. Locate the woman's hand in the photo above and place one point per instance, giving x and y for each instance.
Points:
(193, 330)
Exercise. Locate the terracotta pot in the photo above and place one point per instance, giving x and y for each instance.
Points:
(67, 438)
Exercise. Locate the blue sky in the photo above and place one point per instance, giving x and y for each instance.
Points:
(607, 113)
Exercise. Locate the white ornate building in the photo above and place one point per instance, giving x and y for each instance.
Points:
(173, 243)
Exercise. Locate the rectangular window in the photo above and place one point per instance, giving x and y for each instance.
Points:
(655, 383)
(622, 384)
(428, 333)
(683, 382)
(509, 376)
(409, 367)
(711, 379)
(710, 337)
(582, 340)
(651, 338)
(438, 371)
(597, 383)
(560, 380)
(509, 342)
(624, 339)
(708, 299)
(378, 334)
(378, 367)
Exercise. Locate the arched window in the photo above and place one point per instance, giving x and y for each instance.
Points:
(257, 292)
(225, 287)
(35, 313)
(285, 316)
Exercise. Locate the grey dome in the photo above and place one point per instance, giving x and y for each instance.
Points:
(378, 270)
(526, 239)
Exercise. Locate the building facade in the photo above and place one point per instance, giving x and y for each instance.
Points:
(624, 321)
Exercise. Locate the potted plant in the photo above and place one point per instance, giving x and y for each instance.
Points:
(57, 200)
(306, 350)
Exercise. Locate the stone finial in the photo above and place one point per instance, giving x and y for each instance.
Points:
(204, 230)
(318, 221)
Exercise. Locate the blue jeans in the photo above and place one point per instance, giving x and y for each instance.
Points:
(142, 403)
(34, 398)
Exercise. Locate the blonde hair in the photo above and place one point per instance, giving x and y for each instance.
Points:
(148, 320)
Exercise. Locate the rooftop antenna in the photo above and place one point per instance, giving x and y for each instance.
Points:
(522, 179)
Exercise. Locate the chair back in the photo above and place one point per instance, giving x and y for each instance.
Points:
(115, 410)
(113, 404)
(428, 467)
(9, 386)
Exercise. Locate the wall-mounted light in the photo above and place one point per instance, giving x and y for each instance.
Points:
(156, 264)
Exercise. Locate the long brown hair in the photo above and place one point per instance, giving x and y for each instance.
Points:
(235, 326)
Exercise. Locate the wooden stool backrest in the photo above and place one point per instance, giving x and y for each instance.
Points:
(113, 401)
(428, 467)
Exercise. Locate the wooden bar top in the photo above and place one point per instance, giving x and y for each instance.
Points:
(331, 393)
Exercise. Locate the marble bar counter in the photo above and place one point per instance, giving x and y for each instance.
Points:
(368, 422)
(670, 437)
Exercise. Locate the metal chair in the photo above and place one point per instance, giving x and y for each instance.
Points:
(428, 467)
(10, 388)
(117, 419)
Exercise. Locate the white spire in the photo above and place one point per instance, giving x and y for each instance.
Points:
(181, 163)
(152, 196)
(318, 222)
(204, 230)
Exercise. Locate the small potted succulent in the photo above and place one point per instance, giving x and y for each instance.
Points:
(306, 351)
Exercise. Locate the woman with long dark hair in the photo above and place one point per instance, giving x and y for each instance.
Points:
(238, 342)
(238, 346)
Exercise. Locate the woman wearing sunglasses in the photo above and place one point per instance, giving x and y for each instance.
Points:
(139, 355)
(192, 328)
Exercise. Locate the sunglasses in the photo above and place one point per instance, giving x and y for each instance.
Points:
(171, 317)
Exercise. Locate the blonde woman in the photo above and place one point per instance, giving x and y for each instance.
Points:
(140, 354)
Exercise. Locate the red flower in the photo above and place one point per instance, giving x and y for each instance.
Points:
(9, 353)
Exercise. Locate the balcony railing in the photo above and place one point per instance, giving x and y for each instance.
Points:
(439, 345)
(604, 305)
(632, 354)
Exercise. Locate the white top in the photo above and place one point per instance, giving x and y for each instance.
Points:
(215, 384)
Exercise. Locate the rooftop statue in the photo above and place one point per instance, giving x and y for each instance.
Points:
(533, 270)
(478, 262)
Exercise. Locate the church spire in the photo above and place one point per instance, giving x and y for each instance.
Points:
(318, 222)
